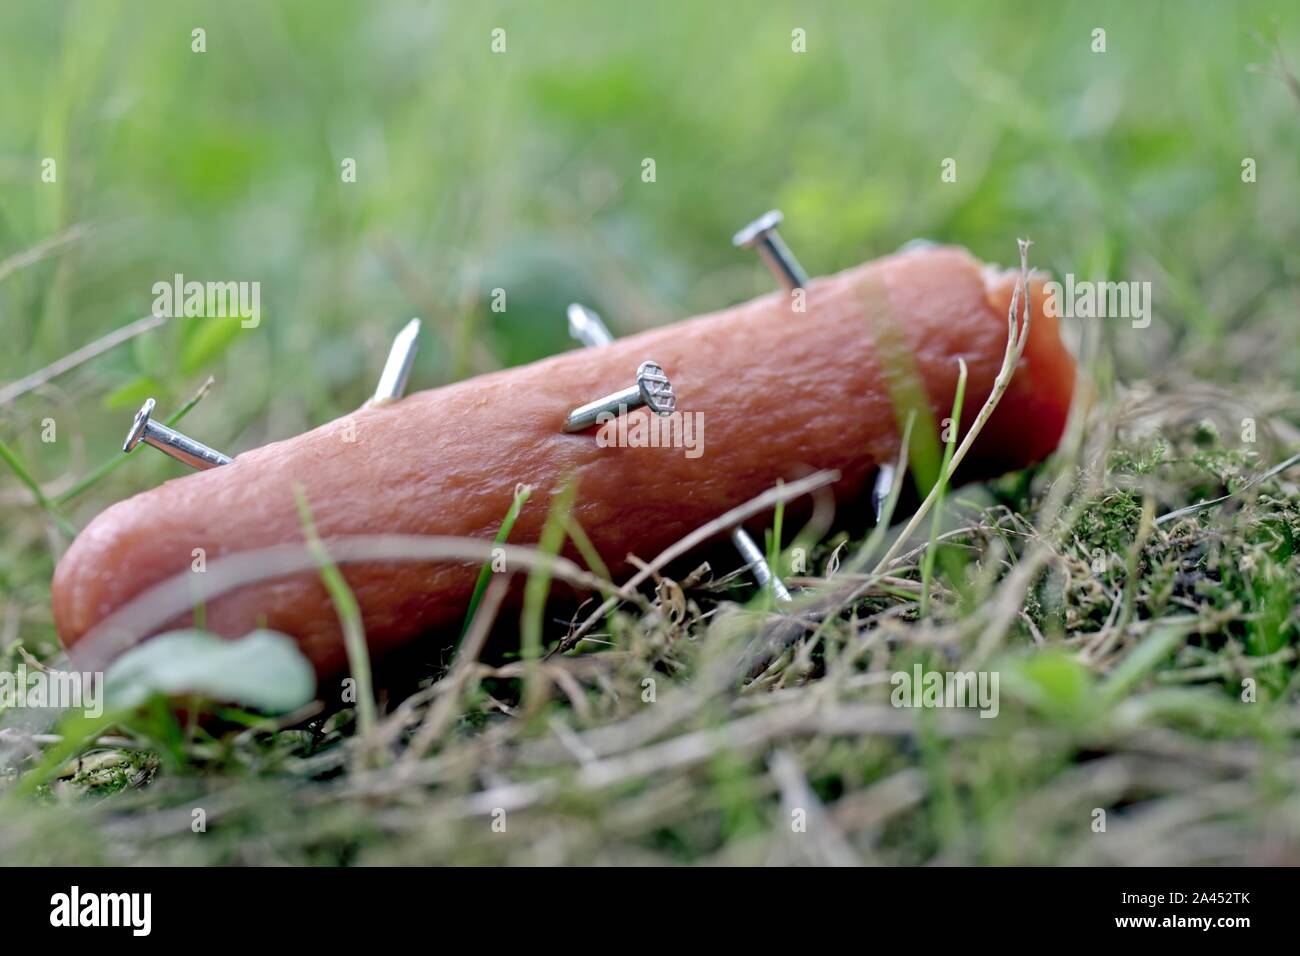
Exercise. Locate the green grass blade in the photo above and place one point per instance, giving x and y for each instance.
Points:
(774, 549)
(578, 535)
(927, 562)
(1141, 660)
(112, 464)
(537, 589)
(79, 733)
(20, 469)
(345, 604)
(503, 534)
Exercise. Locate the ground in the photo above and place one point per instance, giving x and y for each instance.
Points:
(1149, 709)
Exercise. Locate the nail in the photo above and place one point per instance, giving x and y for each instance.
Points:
(392, 381)
(169, 441)
(652, 389)
(761, 234)
(883, 488)
(757, 564)
(588, 327)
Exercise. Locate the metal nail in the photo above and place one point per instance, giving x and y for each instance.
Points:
(761, 234)
(758, 565)
(652, 389)
(169, 441)
(392, 381)
(588, 327)
(883, 488)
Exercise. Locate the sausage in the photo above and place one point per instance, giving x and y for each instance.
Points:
(780, 393)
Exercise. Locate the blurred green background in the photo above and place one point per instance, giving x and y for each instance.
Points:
(522, 171)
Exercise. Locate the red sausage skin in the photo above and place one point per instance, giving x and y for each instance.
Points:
(781, 393)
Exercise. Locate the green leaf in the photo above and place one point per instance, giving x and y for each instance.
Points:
(1051, 682)
(263, 670)
(133, 393)
(211, 338)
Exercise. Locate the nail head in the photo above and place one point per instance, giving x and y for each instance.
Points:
(139, 425)
(656, 390)
(751, 234)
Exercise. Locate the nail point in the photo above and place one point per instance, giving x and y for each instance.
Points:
(916, 245)
(587, 327)
(397, 368)
(883, 488)
(579, 315)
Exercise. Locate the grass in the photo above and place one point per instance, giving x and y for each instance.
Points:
(112, 464)
(522, 494)
(953, 426)
(349, 612)
(1137, 593)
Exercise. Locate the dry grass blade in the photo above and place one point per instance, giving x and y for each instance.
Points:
(1016, 339)
(443, 710)
(152, 609)
(719, 525)
(797, 797)
(80, 357)
(29, 257)
(1203, 505)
